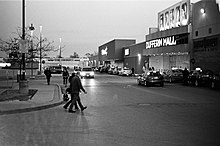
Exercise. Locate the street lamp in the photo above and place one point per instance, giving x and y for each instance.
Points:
(40, 48)
(202, 11)
(23, 38)
(60, 48)
(31, 28)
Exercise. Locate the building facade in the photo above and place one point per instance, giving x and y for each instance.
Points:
(111, 53)
(170, 46)
(134, 58)
(206, 35)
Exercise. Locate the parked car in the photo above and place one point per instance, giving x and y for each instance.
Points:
(116, 70)
(56, 69)
(174, 75)
(151, 78)
(125, 72)
(215, 81)
(87, 72)
(103, 69)
(199, 77)
(110, 70)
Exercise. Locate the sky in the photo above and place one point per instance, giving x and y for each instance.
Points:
(83, 25)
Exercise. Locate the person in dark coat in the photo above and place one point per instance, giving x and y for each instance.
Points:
(185, 76)
(75, 89)
(65, 76)
(47, 73)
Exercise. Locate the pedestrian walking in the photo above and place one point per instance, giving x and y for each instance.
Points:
(68, 103)
(65, 76)
(47, 73)
(75, 89)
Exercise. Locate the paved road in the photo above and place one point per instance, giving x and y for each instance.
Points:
(121, 113)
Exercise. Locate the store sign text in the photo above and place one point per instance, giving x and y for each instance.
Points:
(162, 42)
(104, 51)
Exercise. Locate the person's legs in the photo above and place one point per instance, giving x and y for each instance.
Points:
(67, 103)
(80, 104)
(76, 106)
(48, 80)
(73, 101)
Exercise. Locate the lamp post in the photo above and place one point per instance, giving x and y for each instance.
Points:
(60, 48)
(32, 31)
(23, 83)
(40, 48)
(23, 38)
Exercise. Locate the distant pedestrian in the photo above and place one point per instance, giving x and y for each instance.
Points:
(47, 73)
(65, 76)
(75, 89)
(185, 76)
(132, 71)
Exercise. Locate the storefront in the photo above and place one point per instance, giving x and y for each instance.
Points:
(93, 61)
(206, 36)
(111, 53)
(134, 58)
(170, 46)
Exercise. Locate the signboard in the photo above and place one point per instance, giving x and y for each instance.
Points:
(23, 46)
(175, 16)
(104, 51)
(127, 52)
(161, 42)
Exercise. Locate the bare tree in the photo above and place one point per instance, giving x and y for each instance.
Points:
(11, 46)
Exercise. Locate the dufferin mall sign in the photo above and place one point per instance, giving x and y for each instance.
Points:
(162, 42)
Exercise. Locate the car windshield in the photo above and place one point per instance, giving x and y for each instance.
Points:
(87, 69)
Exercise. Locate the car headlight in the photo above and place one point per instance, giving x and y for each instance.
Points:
(83, 74)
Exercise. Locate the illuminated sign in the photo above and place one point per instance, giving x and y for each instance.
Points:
(162, 42)
(127, 52)
(175, 16)
(104, 51)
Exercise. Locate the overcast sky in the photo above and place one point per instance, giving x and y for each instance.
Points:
(83, 25)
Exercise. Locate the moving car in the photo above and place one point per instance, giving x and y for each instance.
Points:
(125, 72)
(87, 72)
(174, 75)
(151, 78)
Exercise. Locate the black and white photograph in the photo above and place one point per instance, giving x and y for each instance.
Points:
(109, 72)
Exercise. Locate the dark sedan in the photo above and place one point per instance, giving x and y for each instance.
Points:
(174, 75)
(203, 78)
(151, 78)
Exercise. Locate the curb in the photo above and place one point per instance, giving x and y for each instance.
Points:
(36, 108)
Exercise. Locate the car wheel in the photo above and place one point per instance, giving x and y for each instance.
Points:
(162, 84)
(212, 85)
(139, 83)
(196, 83)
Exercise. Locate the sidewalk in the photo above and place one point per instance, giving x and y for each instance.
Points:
(46, 96)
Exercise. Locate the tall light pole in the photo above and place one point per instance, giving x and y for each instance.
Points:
(23, 38)
(40, 48)
(31, 28)
(60, 48)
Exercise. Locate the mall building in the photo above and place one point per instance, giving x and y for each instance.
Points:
(111, 53)
(187, 36)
